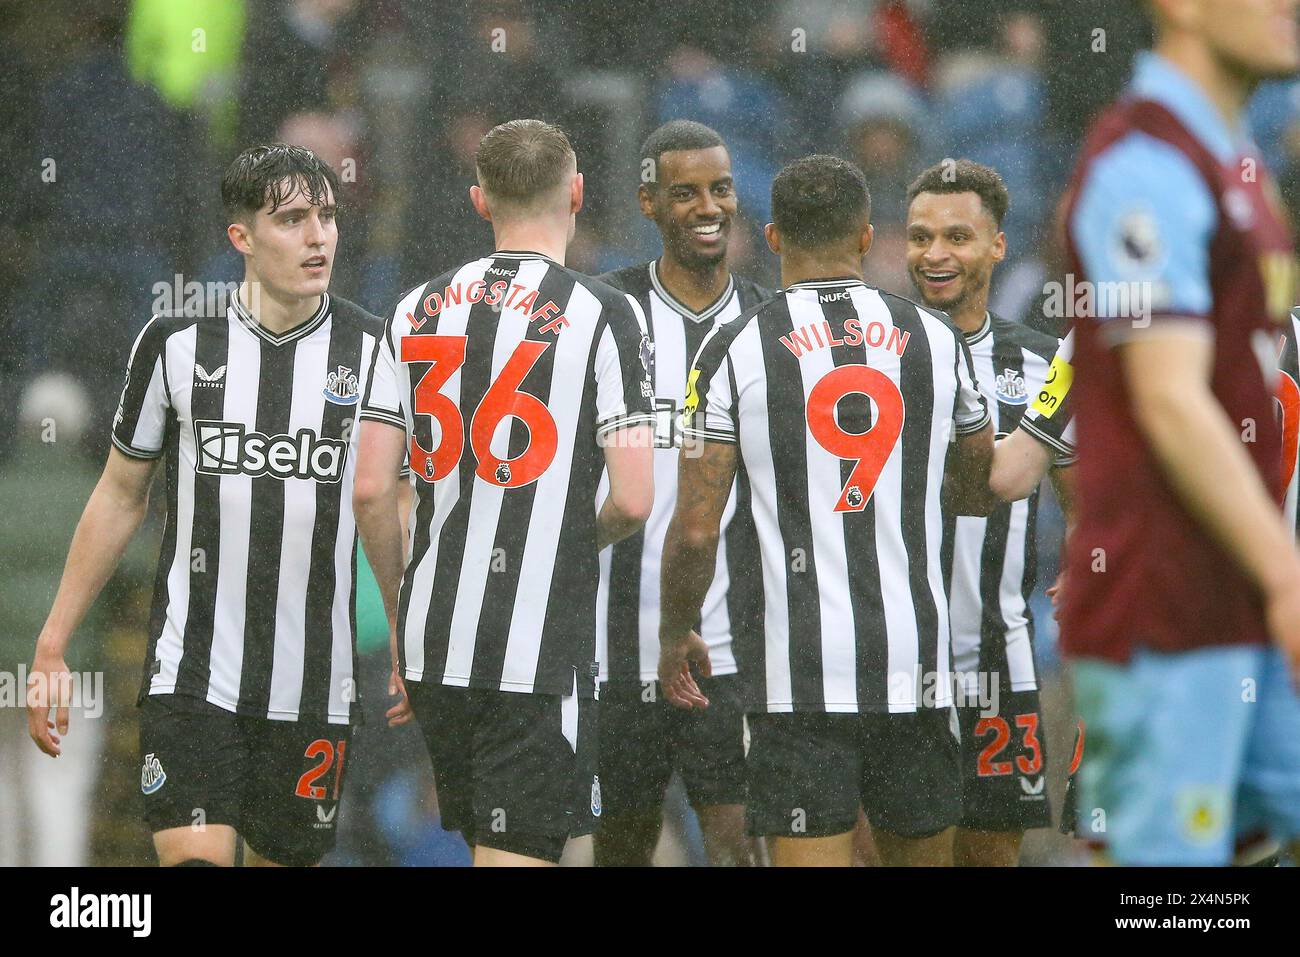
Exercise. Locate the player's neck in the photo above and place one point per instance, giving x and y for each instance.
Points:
(796, 267)
(542, 238)
(1228, 90)
(695, 288)
(275, 314)
(969, 317)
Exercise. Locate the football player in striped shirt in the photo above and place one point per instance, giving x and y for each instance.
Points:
(689, 194)
(515, 382)
(840, 403)
(249, 689)
(954, 242)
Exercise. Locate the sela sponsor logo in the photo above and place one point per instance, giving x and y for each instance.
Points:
(75, 909)
(203, 379)
(227, 448)
(152, 775)
(1010, 387)
(341, 387)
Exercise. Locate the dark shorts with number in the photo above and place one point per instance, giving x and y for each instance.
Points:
(809, 772)
(277, 783)
(1004, 766)
(513, 771)
(644, 739)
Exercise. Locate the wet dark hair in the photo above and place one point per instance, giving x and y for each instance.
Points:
(964, 176)
(676, 135)
(819, 200)
(274, 174)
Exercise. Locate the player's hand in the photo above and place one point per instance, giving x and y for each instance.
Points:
(1055, 593)
(675, 678)
(1282, 611)
(399, 713)
(49, 685)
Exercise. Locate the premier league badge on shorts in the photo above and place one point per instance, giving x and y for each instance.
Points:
(341, 387)
(152, 775)
(503, 473)
(595, 795)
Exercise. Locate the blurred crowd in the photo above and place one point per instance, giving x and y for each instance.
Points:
(118, 117)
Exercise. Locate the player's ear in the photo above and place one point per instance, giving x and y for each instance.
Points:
(645, 199)
(773, 237)
(575, 194)
(479, 201)
(999, 247)
(864, 241)
(240, 239)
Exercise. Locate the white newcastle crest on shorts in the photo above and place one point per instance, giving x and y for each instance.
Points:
(152, 775)
(595, 795)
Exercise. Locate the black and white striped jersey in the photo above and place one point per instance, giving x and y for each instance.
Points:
(253, 606)
(843, 400)
(508, 374)
(627, 620)
(990, 563)
(1288, 397)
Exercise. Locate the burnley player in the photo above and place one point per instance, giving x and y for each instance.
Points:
(1182, 609)
(515, 382)
(954, 242)
(249, 689)
(644, 740)
(838, 402)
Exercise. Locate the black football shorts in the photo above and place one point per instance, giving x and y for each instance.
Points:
(644, 739)
(1004, 766)
(278, 783)
(513, 771)
(809, 772)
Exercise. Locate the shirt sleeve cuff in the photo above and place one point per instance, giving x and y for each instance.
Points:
(133, 452)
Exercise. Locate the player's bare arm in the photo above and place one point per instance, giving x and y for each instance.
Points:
(1019, 463)
(113, 513)
(629, 460)
(1200, 450)
(377, 502)
(966, 480)
(690, 551)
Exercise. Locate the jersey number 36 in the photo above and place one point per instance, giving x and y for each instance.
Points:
(502, 399)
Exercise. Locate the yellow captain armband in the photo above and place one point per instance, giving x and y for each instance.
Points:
(692, 398)
(1055, 388)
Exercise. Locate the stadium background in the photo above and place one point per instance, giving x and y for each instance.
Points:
(117, 117)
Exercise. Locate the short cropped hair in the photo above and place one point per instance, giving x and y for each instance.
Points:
(273, 174)
(520, 161)
(819, 200)
(672, 136)
(965, 176)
